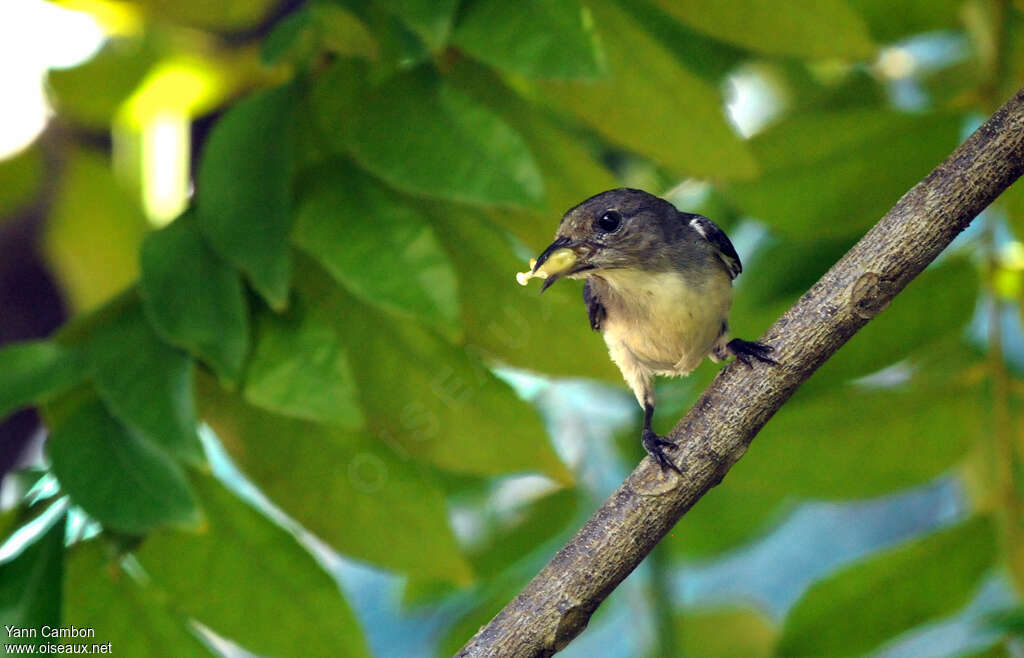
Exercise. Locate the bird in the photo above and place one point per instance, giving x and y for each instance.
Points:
(658, 286)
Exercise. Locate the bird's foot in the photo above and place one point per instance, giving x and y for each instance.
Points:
(656, 447)
(746, 350)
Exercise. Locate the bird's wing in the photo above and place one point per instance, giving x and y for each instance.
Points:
(719, 240)
(595, 310)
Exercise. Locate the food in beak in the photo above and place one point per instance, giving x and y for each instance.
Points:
(559, 261)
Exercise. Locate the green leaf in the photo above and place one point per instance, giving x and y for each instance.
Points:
(532, 526)
(135, 620)
(146, 383)
(867, 603)
(92, 93)
(836, 173)
(194, 299)
(300, 368)
(30, 586)
(938, 303)
(115, 474)
(901, 438)
(447, 404)
(571, 166)
(731, 514)
(725, 633)
(512, 324)
(20, 178)
(293, 607)
(244, 195)
(651, 104)
(934, 417)
(431, 19)
(341, 32)
(538, 38)
(709, 58)
(225, 16)
(378, 247)
(424, 136)
(340, 486)
(825, 28)
(35, 371)
(290, 37)
(300, 35)
(93, 231)
(890, 21)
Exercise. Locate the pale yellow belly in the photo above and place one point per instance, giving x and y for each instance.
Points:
(667, 326)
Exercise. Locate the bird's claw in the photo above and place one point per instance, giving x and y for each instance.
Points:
(656, 447)
(745, 350)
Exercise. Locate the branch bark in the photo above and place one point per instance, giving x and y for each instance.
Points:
(557, 604)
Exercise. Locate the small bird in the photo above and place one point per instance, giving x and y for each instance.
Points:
(658, 288)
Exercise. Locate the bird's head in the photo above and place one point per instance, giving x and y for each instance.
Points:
(618, 229)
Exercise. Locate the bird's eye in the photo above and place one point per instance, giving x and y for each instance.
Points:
(610, 221)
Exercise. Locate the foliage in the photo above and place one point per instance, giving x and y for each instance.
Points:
(335, 300)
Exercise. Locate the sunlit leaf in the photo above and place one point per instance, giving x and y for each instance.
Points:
(651, 104)
(194, 299)
(540, 38)
(115, 474)
(32, 372)
(93, 231)
(135, 620)
(424, 136)
(243, 201)
(250, 580)
(377, 246)
(340, 485)
(300, 368)
(30, 587)
(146, 383)
(863, 605)
(449, 409)
(781, 29)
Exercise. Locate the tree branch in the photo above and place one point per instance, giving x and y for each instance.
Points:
(556, 605)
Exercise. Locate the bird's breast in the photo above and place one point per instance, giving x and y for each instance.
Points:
(668, 322)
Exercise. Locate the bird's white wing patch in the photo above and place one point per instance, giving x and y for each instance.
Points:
(697, 226)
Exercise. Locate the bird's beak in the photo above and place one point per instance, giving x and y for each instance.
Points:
(563, 257)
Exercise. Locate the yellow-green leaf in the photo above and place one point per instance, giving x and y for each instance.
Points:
(249, 580)
(340, 485)
(377, 246)
(244, 195)
(194, 299)
(811, 28)
(855, 610)
(651, 104)
(300, 368)
(116, 474)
